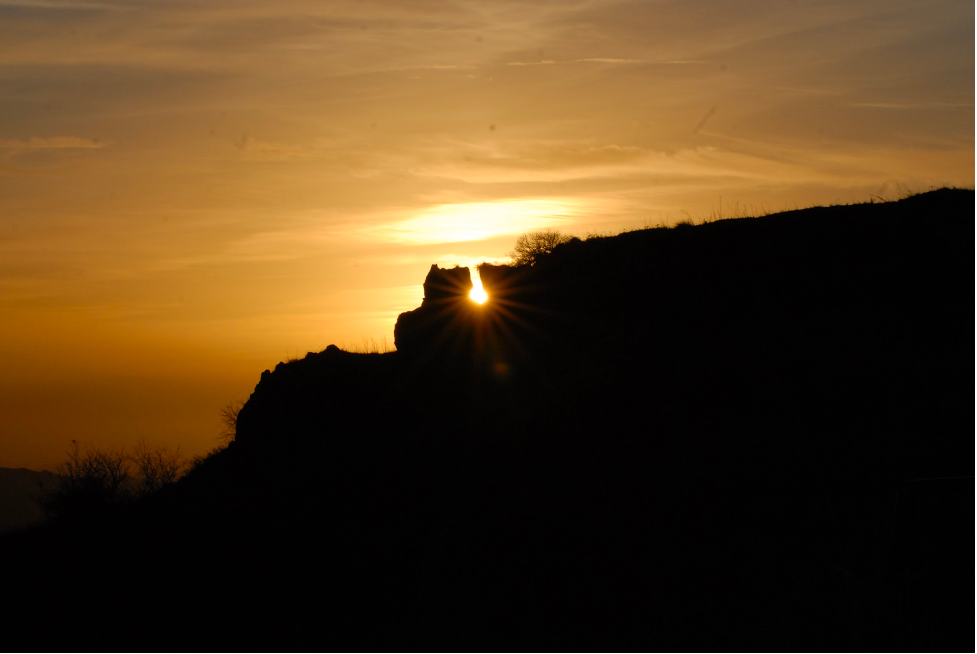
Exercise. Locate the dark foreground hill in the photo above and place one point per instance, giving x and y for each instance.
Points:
(749, 434)
(19, 491)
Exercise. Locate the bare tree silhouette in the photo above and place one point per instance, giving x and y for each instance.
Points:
(532, 246)
(157, 466)
(229, 422)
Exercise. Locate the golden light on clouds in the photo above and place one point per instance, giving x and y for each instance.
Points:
(476, 221)
(210, 187)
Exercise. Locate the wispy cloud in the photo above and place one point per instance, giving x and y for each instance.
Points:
(586, 60)
(434, 67)
(53, 143)
(609, 60)
(541, 62)
(914, 105)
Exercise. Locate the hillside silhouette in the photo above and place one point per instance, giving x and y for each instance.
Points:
(747, 434)
(19, 490)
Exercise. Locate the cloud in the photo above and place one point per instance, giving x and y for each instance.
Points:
(53, 143)
(473, 221)
(434, 67)
(587, 60)
(534, 162)
(609, 60)
(913, 105)
(541, 62)
(272, 151)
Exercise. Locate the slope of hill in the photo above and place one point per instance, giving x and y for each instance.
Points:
(20, 489)
(753, 433)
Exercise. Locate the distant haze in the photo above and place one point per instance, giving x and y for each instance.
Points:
(193, 191)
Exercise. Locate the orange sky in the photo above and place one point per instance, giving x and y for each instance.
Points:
(192, 191)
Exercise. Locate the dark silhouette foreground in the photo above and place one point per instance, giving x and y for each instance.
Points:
(750, 434)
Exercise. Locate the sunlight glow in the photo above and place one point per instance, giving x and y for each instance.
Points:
(448, 223)
(478, 293)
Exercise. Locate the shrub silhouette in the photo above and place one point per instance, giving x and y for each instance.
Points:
(94, 482)
(532, 246)
(90, 481)
(157, 466)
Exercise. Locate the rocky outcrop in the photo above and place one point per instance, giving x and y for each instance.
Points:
(500, 282)
(446, 284)
(442, 322)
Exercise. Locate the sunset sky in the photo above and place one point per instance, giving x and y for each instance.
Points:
(193, 191)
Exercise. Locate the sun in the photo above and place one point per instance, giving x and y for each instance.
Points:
(478, 293)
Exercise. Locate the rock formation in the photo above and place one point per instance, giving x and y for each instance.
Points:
(442, 322)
